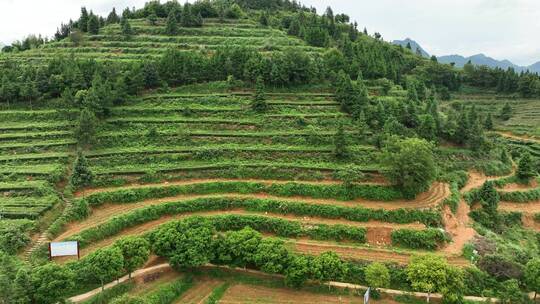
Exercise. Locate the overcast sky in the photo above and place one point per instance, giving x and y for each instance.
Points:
(503, 29)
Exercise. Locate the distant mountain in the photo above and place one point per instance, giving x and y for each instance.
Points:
(479, 59)
(1, 46)
(414, 45)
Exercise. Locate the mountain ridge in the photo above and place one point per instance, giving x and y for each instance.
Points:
(477, 59)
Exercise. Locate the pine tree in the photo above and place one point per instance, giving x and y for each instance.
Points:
(81, 175)
(259, 99)
(126, 28)
(340, 143)
(93, 24)
(86, 129)
(172, 24)
(83, 20)
(505, 157)
(525, 170)
(506, 112)
(412, 94)
(113, 17)
(152, 19)
(488, 123)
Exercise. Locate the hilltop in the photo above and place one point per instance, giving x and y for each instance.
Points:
(284, 147)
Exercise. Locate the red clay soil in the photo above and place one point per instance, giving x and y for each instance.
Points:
(518, 137)
(519, 187)
(246, 294)
(528, 208)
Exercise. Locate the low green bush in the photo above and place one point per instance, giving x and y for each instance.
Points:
(170, 292)
(359, 214)
(372, 192)
(520, 196)
(428, 239)
(455, 196)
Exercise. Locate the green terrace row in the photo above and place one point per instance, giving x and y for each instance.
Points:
(26, 207)
(217, 30)
(204, 151)
(205, 40)
(29, 146)
(51, 171)
(150, 49)
(233, 167)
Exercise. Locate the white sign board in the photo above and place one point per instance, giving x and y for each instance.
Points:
(58, 249)
(366, 295)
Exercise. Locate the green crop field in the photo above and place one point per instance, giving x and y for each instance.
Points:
(224, 151)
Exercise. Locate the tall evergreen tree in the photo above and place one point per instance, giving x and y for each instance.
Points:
(259, 99)
(83, 20)
(93, 24)
(86, 129)
(525, 170)
(506, 112)
(81, 175)
(127, 31)
(488, 123)
(113, 17)
(172, 24)
(340, 143)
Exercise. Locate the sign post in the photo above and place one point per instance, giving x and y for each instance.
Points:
(366, 295)
(58, 249)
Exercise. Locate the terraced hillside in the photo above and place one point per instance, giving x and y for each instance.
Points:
(151, 41)
(259, 142)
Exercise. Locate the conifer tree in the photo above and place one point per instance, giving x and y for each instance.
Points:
(83, 20)
(340, 143)
(505, 157)
(81, 175)
(488, 123)
(525, 170)
(113, 17)
(506, 112)
(412, 94)
(152, 19)
(126, 28)
(172, 24)
(93, 24)
(86, 129)
(259, 99)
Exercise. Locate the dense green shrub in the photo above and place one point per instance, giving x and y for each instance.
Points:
(428, 239)
(373, 192)
(170, 292)
(520, 196)
(455, 196)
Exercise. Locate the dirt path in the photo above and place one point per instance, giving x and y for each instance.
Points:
(519, 187)
(517, 137)
(199, 292)
(290, 293)
(527, 209)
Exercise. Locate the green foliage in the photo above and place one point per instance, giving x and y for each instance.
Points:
(429, 239)
(259, 100)
(102, 265)
(506, 112)
(50, 282)
(340, 144)
(410, 165)
(510, 292)
(81, 175)
(186, 243)
(377, 275)
(217, 293)
(525, 170)
(298, 272)
(328, 267)
(14, 236)
(520, 196)
(86, 129)
(135, 251)
(170, 292)
(429, 273)
(532, 275)
(115, 295)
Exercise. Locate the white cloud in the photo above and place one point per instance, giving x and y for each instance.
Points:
(504, 29)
